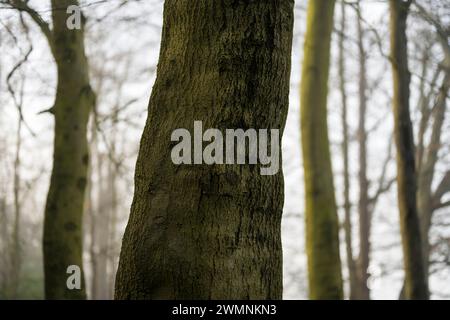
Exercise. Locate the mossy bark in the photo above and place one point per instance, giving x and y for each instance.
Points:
(415, 282)
(64, 208)
(210, 232)
(322, 227)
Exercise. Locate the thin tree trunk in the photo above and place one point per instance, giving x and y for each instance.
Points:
(4, 241)
(426, 157)
(88, 212)
(210, 232)
(100, 221)
(363, 202)
(64, 208)
(112, 249)
(112, 191)
(16, 247)
(101, 230)
(426, 201)
(322, 226)
(345, 153)
(415, 282)
(426, 174)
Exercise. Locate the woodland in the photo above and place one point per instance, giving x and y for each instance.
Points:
(351, 98)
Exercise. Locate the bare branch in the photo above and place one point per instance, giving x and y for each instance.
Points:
(18, 103)
(442, 188)
(22, 5)
(384, 184)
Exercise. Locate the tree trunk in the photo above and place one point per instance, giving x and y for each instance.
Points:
(113, 193)
(16, 254)
(363, 202)
(415, 282)
(345, 153)
(101, 230)
(210, 232)
(112, 249)
(4, 248)
(427, 200)
(322, 227)
(425, 177)
(64, 208)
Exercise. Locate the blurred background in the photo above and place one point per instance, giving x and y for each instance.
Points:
(122, 40)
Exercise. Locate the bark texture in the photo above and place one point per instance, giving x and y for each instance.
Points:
(322, 227)
(415, 282)
(65, 201)
(210, 232)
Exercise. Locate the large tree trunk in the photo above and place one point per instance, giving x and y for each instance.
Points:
(415, 282)
(322, 227)
(210, 232)
(64, 208)
(345, 155)
(363, 202)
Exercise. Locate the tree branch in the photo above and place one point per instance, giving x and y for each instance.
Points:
(384, 184)
(442, 188)
(22, 5)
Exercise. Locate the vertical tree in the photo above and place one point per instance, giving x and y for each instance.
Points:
(16, 258)
(429, 199)
(322, 226)
(352, 270)
(15, 252)
(363, 202)
(199, 232)
(64, 208)
(415, 282)
(74, 99)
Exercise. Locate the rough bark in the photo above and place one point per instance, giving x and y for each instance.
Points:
(345, 155)
(322, 227)
(415, 282)
(64, 207)
(210, 232)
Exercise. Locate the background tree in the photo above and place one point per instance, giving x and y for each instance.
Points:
(74, 100)
(415, 280)
(123, 37)
(322, 241)
(431, 104)
(352, 268)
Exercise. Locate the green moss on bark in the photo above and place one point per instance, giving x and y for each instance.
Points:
(210, 232)
(322, 241)
(64, 209)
